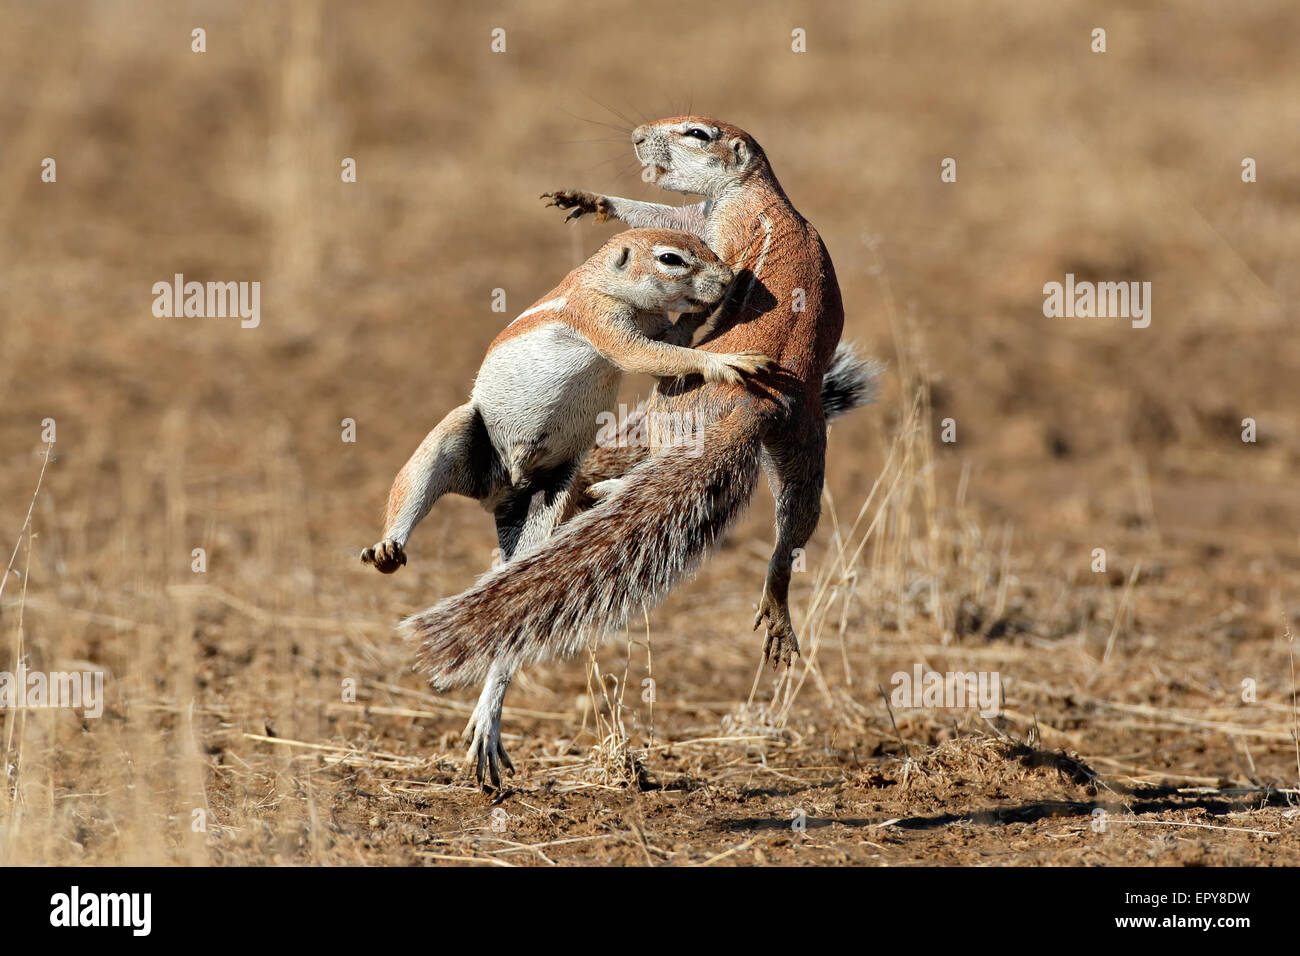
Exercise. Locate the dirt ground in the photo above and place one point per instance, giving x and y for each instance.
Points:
(260, 711)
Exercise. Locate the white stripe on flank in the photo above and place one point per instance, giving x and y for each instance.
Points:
(550, 305)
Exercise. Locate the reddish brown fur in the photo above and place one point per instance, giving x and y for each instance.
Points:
(796, 258)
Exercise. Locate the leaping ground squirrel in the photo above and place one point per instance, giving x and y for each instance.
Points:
(534, 408)
(674, 504)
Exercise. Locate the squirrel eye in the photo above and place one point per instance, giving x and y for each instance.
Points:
(671, 259)
(699, 134)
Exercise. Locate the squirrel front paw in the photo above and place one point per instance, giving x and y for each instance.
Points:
(734, 366)
(580, 202)
(387, 556)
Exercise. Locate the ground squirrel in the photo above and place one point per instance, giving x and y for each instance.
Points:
(547, 377)
(674, 503)
(785, 300)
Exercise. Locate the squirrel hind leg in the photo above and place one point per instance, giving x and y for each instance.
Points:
(528, 515)
(456, 457)
(525, 519)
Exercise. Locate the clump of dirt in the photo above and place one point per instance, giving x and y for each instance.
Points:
(995, 768)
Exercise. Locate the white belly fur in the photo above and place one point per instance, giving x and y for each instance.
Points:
(543, 391)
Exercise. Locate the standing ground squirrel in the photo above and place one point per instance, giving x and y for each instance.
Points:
(675, 503)
(785, 300)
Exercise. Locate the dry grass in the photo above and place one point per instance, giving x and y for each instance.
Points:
(267, 699)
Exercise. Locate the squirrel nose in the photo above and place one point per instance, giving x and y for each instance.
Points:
(638, 136)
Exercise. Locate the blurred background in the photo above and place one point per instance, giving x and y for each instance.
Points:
(1072, 434)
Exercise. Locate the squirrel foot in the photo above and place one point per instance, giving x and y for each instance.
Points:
(605, 489)
(780, 645)
(580, 202)
(387, 556)
(483, 737)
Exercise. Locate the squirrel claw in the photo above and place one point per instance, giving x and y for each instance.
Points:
(386, 556)
(483, 738)
(579, 202)
(732, 367)
(780, 648)
(780, 645)
(751, 361)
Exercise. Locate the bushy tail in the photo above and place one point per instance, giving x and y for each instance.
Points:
(850, 381)
(601, 566)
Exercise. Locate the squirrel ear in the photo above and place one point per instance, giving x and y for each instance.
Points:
(739, 152)
(620, 258)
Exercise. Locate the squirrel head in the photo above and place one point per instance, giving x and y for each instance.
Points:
(696, 154)
(661, 270)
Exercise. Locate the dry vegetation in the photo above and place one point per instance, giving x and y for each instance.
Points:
(226, 690)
